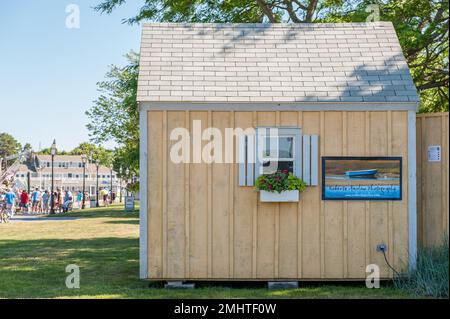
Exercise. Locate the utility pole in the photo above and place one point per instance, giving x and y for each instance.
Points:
(120, 184)
(84, 160)
(97, 163)
(111, 190)
(28, 182)
(52, 196)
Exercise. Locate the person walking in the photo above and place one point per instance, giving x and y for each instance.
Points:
(17, 198)
(24, 199)
(35, 200)
(67, 201)
(10, 198)
(79, 198)
(55, 201)
(104, 194)
(39, 204)
(3, 214)
(60, 200)
(87, 198)
(45, 200)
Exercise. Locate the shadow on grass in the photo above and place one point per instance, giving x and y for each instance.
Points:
(122, 221)
(115, 211)
(37, 268)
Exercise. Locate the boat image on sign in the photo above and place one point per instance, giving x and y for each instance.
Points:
(367, 173)
(360, 178)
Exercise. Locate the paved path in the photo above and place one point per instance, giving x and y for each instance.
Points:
(34, 218)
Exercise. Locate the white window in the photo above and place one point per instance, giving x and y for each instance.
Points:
(278, 149)
(275, 149)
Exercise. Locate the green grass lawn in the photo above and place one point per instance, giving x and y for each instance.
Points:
(104, 243)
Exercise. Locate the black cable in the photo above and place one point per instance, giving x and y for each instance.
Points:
(387, 262)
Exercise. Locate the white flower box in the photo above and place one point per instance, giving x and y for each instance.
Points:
(285, 196)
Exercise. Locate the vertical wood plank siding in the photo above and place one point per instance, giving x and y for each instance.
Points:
(432, 179)
(201, 227)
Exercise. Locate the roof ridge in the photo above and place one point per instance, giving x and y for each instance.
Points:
(266, 25)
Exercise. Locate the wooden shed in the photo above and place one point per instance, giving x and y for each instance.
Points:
(343, 103)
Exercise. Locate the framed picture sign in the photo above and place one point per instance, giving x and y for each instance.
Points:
(361, 178)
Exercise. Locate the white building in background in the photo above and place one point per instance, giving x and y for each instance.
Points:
(68, 174)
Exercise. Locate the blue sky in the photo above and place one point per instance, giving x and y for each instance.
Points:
(48, 72)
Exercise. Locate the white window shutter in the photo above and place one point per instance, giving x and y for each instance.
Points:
(246, 157)
(314, 160)
(242, 159)
(251, 150)
(307, 159)
(311, 160)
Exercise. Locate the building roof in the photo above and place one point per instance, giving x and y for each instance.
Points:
(22, 168)
(59, 158)
(90, 169)
(339, 62)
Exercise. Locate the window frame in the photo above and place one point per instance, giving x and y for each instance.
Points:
(283, 131)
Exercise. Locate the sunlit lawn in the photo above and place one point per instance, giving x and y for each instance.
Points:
(104, 243)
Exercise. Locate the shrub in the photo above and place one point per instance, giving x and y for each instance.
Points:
(279, 182)
(430, 278)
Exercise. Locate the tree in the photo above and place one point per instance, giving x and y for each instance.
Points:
(93, 152)
(27, 147)
(48, 151)
(422, 27)
(103, 155)
(125, 157)
(115, 114)
(84, 148)
(8, 145)
(226, 10)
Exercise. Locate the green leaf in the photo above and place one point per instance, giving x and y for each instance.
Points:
(279, 182)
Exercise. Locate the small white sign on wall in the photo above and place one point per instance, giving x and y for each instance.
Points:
(434, 153)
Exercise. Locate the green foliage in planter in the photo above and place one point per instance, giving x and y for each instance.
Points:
(279, 182)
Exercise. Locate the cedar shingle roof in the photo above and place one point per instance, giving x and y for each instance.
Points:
(352, 62)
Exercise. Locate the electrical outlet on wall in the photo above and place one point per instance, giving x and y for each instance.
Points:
(381, 247)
